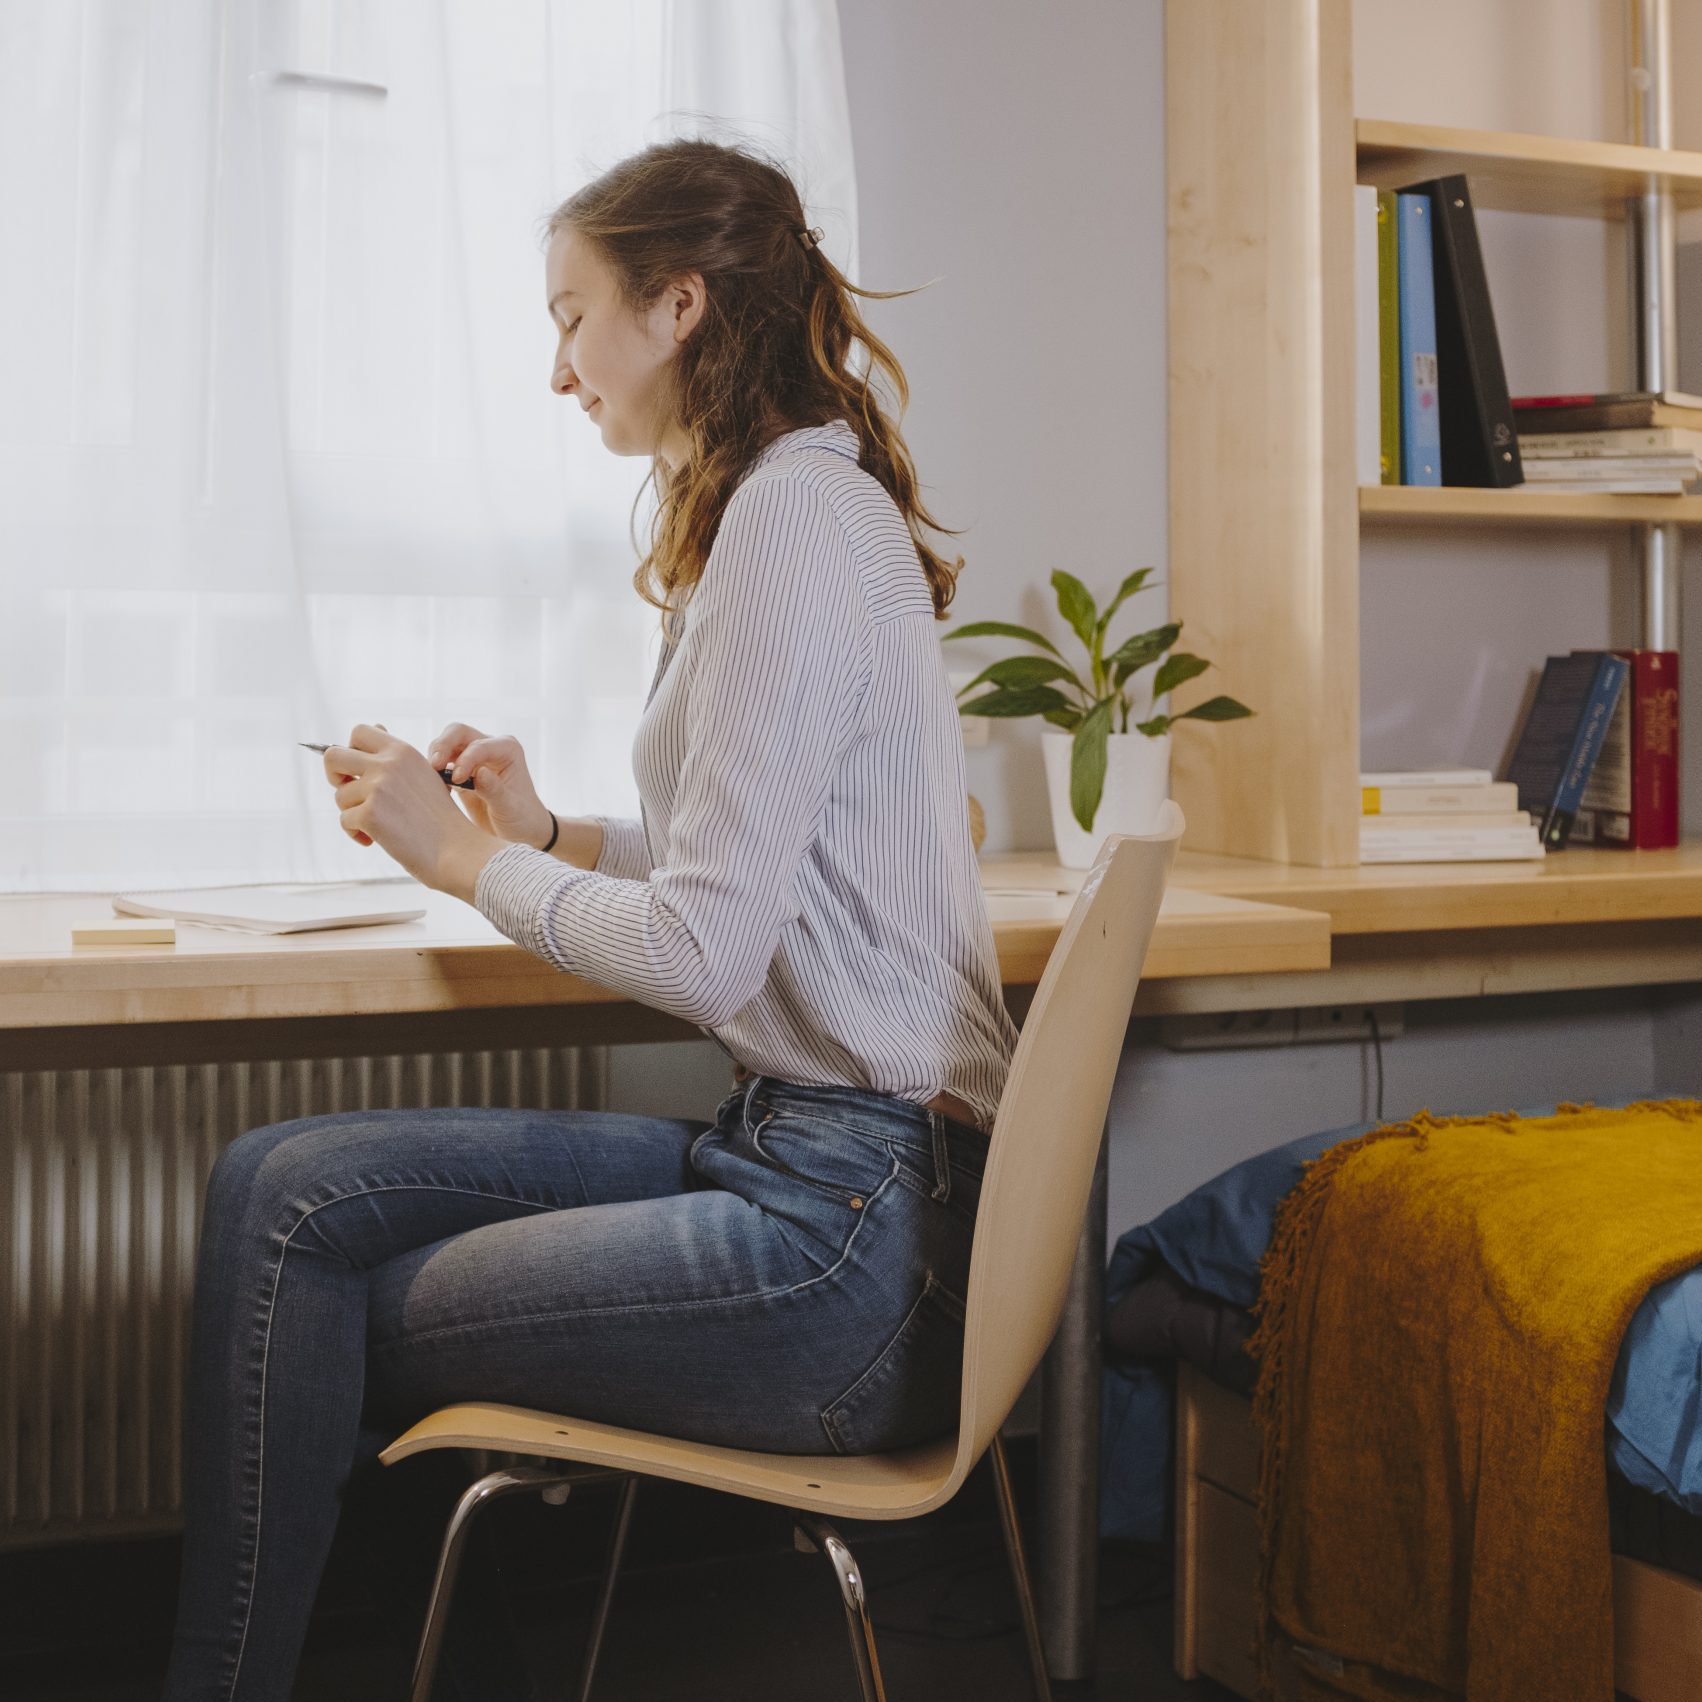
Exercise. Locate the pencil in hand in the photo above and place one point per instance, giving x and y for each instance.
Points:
(446, 775)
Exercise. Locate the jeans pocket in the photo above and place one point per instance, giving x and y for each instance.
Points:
(911, 1392)
(848, 1166)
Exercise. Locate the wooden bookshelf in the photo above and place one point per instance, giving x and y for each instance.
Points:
(1523, 505)
(1526, 174)
(1262, 155)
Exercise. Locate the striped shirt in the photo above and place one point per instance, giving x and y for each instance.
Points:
(802, 885)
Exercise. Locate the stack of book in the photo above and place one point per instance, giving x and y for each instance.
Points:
(1433, 407)
(1631, 797)
(1636, 441)
(1448, 815)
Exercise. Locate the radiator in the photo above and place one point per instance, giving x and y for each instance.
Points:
(102, 1174)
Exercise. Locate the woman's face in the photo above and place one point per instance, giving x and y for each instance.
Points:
(607, 358)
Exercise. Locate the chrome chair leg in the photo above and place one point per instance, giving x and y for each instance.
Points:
(824, 1537)
(600, 1619)
(1019, 1568)
(535, 1478)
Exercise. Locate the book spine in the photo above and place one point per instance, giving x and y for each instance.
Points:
(1603, 466)
(1654, 758)
(1652, 440)
(1395, 853)
(1605, 812)
(1479, 444)
(1504, 819)
(1421, 427)
(1406, 802)
(1482, 839)
(1392, 779)
(1389, 336)
(1368, 397)
(1586, 744)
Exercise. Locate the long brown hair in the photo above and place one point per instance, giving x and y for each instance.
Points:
(770, 355)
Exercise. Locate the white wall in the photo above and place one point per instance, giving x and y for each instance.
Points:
(1015, 151)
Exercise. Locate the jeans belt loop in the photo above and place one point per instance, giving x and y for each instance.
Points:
(750, 1089)
(942, 1158)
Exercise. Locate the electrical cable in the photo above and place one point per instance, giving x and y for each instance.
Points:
(1377, 1047)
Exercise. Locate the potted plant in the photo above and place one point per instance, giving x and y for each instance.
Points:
(1096, 759)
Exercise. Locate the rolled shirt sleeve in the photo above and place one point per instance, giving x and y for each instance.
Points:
(777, 642)
(624, 853)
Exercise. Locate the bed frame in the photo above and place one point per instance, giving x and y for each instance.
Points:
(1657, 1614)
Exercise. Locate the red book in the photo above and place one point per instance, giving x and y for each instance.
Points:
(1654, 747)
(1631, 800)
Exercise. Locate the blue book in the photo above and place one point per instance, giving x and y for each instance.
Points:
(1421, 413)
(1562, 737)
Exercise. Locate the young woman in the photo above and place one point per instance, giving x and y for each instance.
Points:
(789, 1274)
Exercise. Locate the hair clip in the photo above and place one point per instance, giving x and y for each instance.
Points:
(810, 238)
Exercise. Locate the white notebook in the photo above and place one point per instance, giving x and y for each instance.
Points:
(278, 909)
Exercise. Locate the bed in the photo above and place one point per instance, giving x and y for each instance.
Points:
(1179, 1290)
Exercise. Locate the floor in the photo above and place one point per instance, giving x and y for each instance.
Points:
(713, 1604)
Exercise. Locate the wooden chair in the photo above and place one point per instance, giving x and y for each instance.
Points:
(1044, 1145)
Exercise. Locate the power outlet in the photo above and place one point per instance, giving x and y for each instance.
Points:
(1220, 1030)
(1212, 1031)
(1347, 1022)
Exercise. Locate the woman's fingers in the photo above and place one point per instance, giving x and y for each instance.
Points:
(365, 738)
(496, 753)
(342, 762)
(449, 744)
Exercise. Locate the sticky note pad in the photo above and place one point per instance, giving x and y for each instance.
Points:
(125, 931)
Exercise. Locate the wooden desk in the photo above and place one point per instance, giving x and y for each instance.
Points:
(62, 1007)
(1579, 918)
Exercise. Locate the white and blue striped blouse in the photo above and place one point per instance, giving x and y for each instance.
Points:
(802, 885)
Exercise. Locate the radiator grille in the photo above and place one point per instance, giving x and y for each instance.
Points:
(102, 1174)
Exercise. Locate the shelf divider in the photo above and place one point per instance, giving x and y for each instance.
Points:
(1526, 174)
(1391, 504)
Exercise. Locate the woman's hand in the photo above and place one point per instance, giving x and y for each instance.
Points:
(503, 800)
(391, 796)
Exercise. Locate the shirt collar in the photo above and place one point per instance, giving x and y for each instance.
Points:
(838, 435)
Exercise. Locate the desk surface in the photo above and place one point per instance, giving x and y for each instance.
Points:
(453, 959)
(1577, 886)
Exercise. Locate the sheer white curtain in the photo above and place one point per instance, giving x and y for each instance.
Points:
(277, 448)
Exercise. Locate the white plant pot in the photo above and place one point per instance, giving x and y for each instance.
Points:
(1137, 781)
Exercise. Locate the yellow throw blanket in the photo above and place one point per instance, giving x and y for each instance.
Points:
(1440, 1312)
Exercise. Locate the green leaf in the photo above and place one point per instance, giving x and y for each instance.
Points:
(1216, 709)
(1177, 668)
(1068, 719)
(1156, 728)
(1124, 591)
(1087, 763)
(1004, 629)
(1025, 671)
(1143, 648)
(1029, 700)
(1075, 604)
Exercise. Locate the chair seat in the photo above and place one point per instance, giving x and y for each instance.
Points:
(859, 1486)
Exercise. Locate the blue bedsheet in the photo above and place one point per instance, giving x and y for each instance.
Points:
(1214, 1238)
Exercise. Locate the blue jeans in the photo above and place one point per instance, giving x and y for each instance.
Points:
(789, 1277)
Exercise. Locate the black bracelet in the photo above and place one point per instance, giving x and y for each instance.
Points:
(555, 830)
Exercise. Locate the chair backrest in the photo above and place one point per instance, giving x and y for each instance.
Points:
(1046, 1136)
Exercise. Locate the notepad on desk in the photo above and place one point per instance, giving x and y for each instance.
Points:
(277, 909)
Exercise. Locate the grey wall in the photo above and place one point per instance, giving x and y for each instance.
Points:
(1015, 151)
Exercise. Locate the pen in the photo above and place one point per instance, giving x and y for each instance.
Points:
(446, 775)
